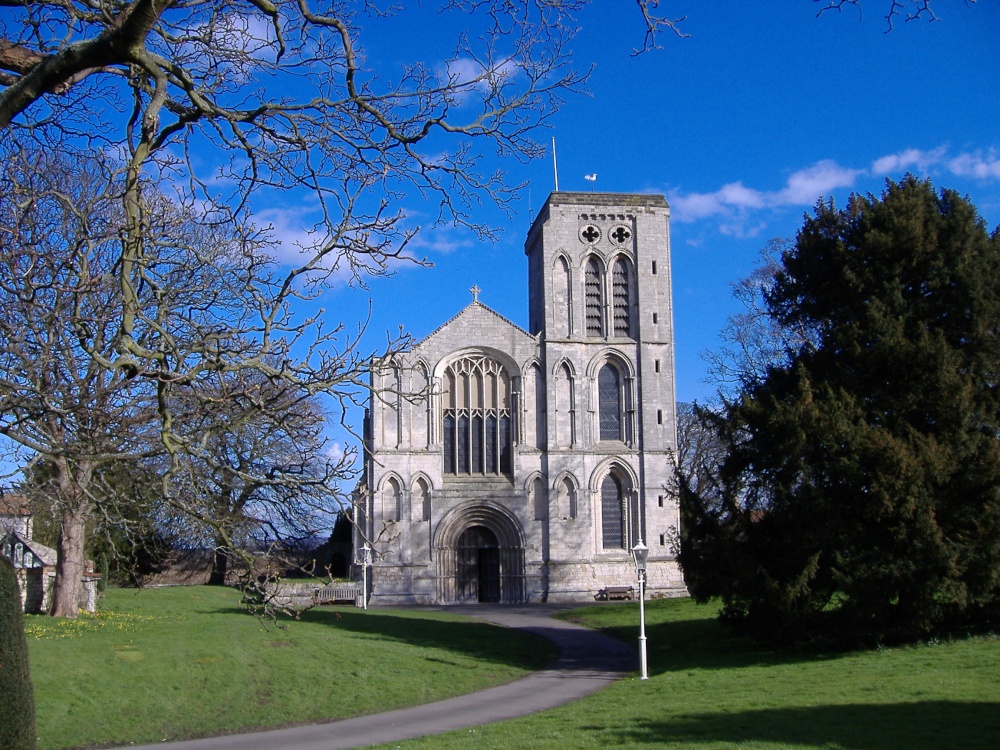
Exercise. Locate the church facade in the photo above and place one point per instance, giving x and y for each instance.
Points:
(511, 465)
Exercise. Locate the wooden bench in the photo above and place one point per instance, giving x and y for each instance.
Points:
(341, 593)
(610, 593)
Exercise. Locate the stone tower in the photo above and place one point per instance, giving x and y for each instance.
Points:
(515, 465)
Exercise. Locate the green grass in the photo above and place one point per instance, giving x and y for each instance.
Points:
(184, 662)
(709, 689)
(175, 663)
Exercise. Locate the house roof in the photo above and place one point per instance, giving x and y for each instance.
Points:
(46, 555)
(14, 505)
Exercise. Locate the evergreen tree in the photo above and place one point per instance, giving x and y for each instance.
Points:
(17, 702)
(862, 477)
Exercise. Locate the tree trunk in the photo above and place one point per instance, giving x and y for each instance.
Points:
(69, 563)
(70, 548)
(220, 566)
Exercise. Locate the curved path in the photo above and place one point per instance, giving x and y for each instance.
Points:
(587, 662)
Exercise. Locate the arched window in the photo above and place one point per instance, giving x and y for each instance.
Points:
(392, 498)
(421, 500)
(539, 499)
(419, 406)
(593, 299)
(391, 395)
(566, 498)
(565, 410)
(562, 300)
(621, 298)
(477, 421)
(610, 403)
(612, 513)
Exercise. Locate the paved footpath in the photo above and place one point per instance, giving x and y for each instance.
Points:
(587, 662)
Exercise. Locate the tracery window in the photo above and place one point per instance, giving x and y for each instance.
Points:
(477, 417)
(609, 403)
(621, 298)
(593, 298)
(612, 513)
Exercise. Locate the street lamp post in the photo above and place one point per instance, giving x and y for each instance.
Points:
(640, 553)
(365, 560)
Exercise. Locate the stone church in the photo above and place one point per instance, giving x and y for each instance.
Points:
(512, 465)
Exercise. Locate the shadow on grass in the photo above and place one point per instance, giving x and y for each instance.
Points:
(702, 642)
(478, 640)
(928, 725)
(449, 633)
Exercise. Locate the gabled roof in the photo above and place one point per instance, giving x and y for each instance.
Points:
(474, 308)
(45, 555)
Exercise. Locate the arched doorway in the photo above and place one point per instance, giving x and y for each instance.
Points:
(479, 554)
(478, 566)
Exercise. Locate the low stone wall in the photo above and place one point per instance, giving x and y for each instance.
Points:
(303, 594)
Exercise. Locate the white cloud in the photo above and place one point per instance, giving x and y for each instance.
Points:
(735, 200)
(289, 233)
(976, 165)
(739, 210)
(908, 160)
(805, 186)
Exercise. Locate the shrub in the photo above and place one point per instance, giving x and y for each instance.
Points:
(17, 701)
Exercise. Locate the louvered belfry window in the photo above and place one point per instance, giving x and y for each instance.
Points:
(621, 299)
(476, 421)
(592, 298)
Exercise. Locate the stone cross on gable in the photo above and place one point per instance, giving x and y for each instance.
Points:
(475, 292)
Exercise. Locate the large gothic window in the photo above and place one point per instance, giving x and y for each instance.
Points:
(612, 513)
(621, 298)
(593, 298)
(477, 417)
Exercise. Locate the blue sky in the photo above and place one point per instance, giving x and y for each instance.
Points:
(742, 126)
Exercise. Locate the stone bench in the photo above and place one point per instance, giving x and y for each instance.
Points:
(609, 593)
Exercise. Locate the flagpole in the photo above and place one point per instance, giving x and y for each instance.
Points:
(555, 163)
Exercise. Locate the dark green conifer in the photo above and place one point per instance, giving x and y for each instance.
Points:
(17, 702)
(865, 472)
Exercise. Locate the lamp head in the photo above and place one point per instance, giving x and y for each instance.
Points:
(640, 553)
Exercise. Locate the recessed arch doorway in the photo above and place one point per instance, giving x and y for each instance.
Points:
(480, 556)
(477, 574)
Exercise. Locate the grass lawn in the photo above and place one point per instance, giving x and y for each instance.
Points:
(175, 663)
(708, 689)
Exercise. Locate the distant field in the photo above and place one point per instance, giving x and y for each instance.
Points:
(710, 690)
(175, 663)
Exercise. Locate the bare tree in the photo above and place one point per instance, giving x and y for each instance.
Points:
(753, 340)
(260, 469)
(908, 10)
(58, 230)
